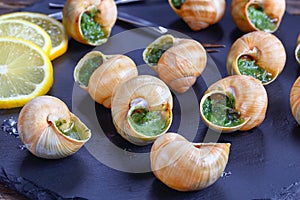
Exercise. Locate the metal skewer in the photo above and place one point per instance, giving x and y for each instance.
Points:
(137, 22)
(55, 5)
(118, 2)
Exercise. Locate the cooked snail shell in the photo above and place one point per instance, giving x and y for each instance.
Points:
(187, 166)
(236, 102)
(178, 62)
(295, 100)
(259, 54)
(199, 14)
(253, 15)
(89, 21)
(49, 130)
(100, 74)
(297, 50)
(142, 109)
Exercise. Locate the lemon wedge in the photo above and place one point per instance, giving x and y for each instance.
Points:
(53, 27)
(25, 72)
(28, 31)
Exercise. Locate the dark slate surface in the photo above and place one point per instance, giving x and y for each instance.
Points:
(262, 163)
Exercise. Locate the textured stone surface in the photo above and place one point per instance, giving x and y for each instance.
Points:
(7, 194)
(7, 6)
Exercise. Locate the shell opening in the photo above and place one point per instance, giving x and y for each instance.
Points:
(139, 102)
(156, 49)
(247, 66)
(177, 3)
(219, 109)
(90, 27)
(148, 122)
(73, 129)
(298, 53)
(84, 72)
(260, 19)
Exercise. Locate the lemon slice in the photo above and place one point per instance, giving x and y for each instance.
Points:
(25, 72)
(54, 28)
(26, 30)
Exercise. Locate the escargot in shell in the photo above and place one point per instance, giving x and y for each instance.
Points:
(258, 54)
(142, 109)
(89, 21)
(100, 74)
(199, 14)
(295, 100)
(236, 102)
(186, 166)
(177, 61)
(253, 15)
(49, 130)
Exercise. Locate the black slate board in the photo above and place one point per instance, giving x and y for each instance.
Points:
(262, 161)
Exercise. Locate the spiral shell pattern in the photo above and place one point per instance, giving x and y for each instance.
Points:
(180, 65)
(39, 133)
(251, 100)
(112, 72)
(199, 14)
(295, 100)
(72, 15)
(274, 9)
(157, 96)
(265, 48)
(186, 166)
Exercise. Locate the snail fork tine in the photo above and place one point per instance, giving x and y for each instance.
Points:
(208, 47)
(293, 7)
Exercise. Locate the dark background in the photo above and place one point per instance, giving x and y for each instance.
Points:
(262, 161)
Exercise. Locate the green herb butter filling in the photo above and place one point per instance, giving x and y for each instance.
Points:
(260, 20)
(149, 123)
(91, 30)
(88, 68)
(71, 131)
(154, 53)
(219, 109)
(177, 3)
(247, 66)
(298, 54)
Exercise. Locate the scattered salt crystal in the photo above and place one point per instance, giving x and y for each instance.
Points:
(225, 174)
(9, 126)
(22, 147)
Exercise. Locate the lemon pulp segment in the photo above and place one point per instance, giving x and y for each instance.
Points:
(53, 27)
(28, 31)
(25, 72)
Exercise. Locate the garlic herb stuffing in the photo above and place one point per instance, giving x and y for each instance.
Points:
(71, 131)
(89, 22)
(298, 54)
(144, 111)
(247, 66)
(154, 53)
(237, 102)
(144, 121)
(91, 30)
(220, 110)
(259, 18)
(177, 3)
